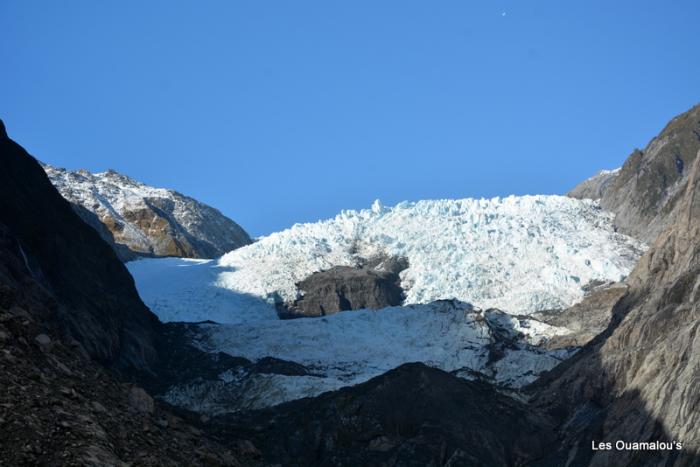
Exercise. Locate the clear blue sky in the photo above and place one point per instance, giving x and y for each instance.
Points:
(279, 112)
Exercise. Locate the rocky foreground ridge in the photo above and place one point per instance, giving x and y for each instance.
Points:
(139, 220)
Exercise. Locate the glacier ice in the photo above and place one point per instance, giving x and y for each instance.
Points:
(519, 254)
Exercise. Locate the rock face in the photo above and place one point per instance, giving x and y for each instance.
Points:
(651, 182)
(638, 379)
(146, 220)
(596, 186)
(586, 319)
(376, 285)
(90, 218)
(92, 294)
(413, 415)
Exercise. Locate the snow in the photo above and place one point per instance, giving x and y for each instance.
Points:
(179, 289)
(519, 254)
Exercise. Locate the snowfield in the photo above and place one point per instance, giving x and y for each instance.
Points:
(518, 254)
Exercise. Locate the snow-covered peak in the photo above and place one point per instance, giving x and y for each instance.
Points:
(519, 254)
(148, 220)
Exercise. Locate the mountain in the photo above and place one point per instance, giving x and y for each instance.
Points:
(74, 337)
(142, 220)
(633, 385)
(647, 188)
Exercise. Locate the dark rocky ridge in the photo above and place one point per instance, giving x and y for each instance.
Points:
(95, 300)
(59, 407)
(651, 182)
(413, 415)
(585, 319)
(374, 284)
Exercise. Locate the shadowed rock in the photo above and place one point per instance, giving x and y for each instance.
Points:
(95, 298)
(413, 415)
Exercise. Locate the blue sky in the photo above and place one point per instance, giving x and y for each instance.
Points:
(279, 112)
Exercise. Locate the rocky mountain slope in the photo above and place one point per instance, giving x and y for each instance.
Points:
(647, 188)
(637, 380)
(71, 328)
(596, 186)
(148, 221)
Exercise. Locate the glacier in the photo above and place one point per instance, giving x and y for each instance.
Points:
(518, 254)
(477, 269)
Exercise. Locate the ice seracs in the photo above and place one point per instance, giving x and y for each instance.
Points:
(519, 254)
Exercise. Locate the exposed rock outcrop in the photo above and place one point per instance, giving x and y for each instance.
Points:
(651, 182)
(373, 285)
(90, 218)
(596, 186)
(145, 220)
